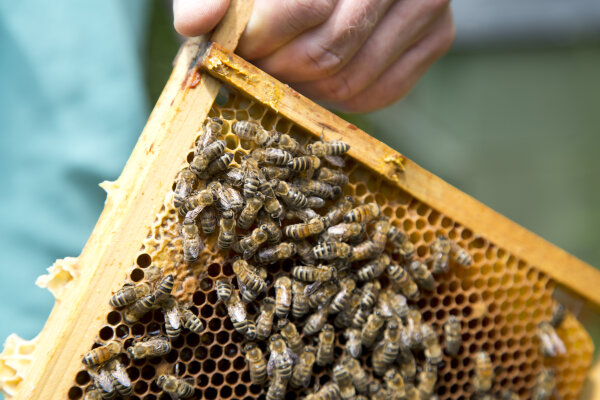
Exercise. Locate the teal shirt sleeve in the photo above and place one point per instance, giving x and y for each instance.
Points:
(72, 104)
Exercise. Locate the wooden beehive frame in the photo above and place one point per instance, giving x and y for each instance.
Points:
(136, 197)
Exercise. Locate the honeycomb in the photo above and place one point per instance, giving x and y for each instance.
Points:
(500, 299)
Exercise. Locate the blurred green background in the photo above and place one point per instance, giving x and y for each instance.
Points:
(510, 116)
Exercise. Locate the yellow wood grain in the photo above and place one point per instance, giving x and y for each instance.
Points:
(560, 265)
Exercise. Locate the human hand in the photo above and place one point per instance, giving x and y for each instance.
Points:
(352, 55)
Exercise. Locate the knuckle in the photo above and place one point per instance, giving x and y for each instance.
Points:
(338, 88)
(305, 13)
(324, 60)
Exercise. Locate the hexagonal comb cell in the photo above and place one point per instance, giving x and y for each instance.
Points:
(499, 298)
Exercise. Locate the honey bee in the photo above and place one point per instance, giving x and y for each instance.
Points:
(363, 213)
(452, 335)
(433, 351)
(328, 148)
(170, 310)
(184, 184)
(102, 354)
(137, 309)
(164, 287)
(283, 296)
(440, 253)
(304, 163)
(274, 233)
(257, 366)
(402, 279)
(224, 289)
(304, 250)
(289, 332)
(391, 343)
(208, 220)
(250, 330)
(414, 334)
(217, 166)
(461, 256)
(304, 230)
(274, 172)
(359, 319)
(129, 293)
(342, 297)
(192, 244)
(545, 385)
(249, 213)
(559, 312)
(264, 321)
(177, 388)
(227, 232)
(228, 197)
(191, 321)
(363, 251)
(273, 207)
(195, 203)
(322, 295)
(401, 243)
(325, 346)
(273, 254)
(483, 372)
(315, 202)
(316, 321)
(121, 379)
(97, 394)
(277, 388)
(303, 369)
(272, 156)
(344, 232)
(332, 177)
(247, 130)
(358, 376)
(307, 273)
(236, 312)
(104, 383)
(300, 305)
(427, 380)
(281, 360)
(312, 187)
(150, 347)
(235, 176)
(397, 303)
(407, 363)
(203, 157)
(374, 268)
(394, 384)
(304, 214)
(370, 293)
(341, 376)
(550, 343)
(336, 213)
(246, 274)
(421, 275)
(251, 179)
(371, 329)
(287, 143)
(212, 129)
(331, 250)
(289, 194)
(353, 342)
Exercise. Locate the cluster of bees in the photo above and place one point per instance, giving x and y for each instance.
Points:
(104, 363)
(353, 273)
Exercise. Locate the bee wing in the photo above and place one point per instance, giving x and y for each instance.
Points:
(548, 344)
(336, 161)
(271, 363)
(312, 288)
(120, 374)
(559, 345)
(103, 380)
(173, 316)
(238, 313)
(293, 356)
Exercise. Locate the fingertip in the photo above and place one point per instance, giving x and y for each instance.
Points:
(194, 18)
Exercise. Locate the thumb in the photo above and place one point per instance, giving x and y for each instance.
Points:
(194, 18)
